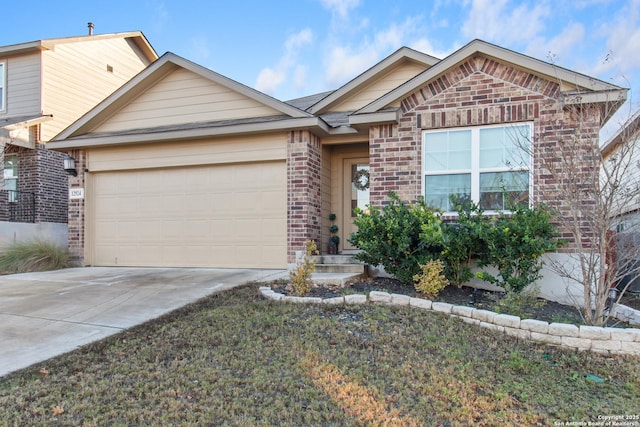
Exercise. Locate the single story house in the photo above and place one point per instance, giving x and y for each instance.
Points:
(45, 85)
(185, 167)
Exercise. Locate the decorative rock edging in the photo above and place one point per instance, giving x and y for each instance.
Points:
(624, 341)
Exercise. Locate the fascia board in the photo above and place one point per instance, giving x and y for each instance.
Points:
(93, 141)
(379, 117)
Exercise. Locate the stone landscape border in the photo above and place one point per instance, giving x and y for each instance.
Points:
(610, 341)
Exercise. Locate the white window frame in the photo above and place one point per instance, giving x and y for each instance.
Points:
(3, 86)
(13, 178)
(475, 169)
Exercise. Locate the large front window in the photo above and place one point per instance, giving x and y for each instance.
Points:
(488, 165)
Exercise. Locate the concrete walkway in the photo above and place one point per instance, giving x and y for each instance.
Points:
(43, 315)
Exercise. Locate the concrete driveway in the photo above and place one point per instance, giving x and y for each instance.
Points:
(46, 314)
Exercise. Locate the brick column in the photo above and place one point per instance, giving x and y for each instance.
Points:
(304, 215)
(77, 210)
(394, 161)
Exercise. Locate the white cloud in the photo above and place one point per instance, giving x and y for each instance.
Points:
(622, 41)
(343, 62)
(559, 47)
(340, 8)
(425, 46)
(498, 22)
(300, 77)
(159, 15)
(199, 49)
(296, 41)
(270, 78)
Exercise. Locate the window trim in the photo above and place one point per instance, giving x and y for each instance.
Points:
(475, 169)
(12, 193)
(3, 86)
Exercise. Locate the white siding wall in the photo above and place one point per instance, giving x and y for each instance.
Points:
(23, 85)
(76, 78)
(184, 97)
(630, 180)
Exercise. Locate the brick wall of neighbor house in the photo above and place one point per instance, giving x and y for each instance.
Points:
(77, 210)
(304, 199)
(479, 91)
(53, 191)
(40, 171)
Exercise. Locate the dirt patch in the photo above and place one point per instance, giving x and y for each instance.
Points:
(548, 311)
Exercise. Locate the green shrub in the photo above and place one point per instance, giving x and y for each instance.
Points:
(462, 242)
(37, 255)
(301, 275)
(515, 243)
(430, 281)
(400, 237)
(519, 303)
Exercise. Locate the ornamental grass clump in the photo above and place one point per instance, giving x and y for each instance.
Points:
(301, 274)
(37, 255)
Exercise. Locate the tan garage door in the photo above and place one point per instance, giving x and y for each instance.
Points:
(226, 216)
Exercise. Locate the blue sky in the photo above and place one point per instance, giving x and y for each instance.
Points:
(294, 48)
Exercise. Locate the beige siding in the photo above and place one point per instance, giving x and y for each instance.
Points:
(23, 85)
(184, 97)
(77, 79)
(227, 216)
(382, 85)
(185, 153)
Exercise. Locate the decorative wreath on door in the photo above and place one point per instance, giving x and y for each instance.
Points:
(361, 179)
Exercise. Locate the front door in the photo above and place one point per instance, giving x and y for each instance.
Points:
(355, 194)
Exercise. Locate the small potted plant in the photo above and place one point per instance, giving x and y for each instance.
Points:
(334, 240)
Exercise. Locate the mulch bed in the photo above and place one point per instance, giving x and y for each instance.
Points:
(464, 296)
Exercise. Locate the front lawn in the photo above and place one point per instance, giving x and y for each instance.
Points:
(237, 359)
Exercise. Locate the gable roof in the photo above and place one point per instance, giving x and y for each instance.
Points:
(628, 132)
(585, 85)
(315, 112)
(400, 55)
(48, 44)
(166, 64)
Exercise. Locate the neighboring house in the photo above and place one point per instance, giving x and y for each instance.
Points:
(626, 143)
(185, 167)
(46, 85)
(621, 156)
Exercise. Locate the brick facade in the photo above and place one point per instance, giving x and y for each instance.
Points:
(77, 209)
(482, 91)
(304, 198)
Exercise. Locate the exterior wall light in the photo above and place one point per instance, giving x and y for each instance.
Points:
(70, 165)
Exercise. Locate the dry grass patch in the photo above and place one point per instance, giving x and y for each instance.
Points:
(239, 360)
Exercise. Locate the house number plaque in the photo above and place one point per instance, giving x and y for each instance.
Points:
(76, 193)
